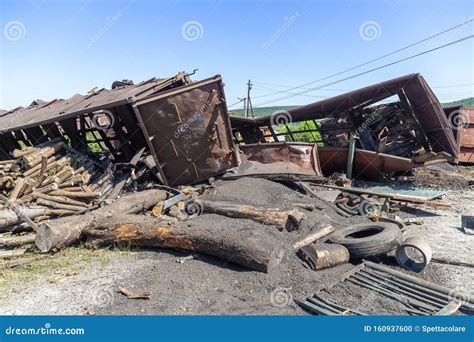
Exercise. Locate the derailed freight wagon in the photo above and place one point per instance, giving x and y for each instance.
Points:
(398, 123)
(178, 128)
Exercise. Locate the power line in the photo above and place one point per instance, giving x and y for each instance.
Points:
(270, 89)
(454, 85)
(287, 87)
(379, 58)
(236, 103)
(371, 70)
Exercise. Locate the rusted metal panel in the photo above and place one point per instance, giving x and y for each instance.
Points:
(427, 112)
(466, 150)
(461, 120)
(189, 133)
(280, 160)
(367, 164)
(467, 128)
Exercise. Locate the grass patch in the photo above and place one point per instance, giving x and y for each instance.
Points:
(71, 260)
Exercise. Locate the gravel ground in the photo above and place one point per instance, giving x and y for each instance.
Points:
(206, 285)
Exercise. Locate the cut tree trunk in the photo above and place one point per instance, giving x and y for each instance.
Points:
(8, 217)
(56, 234)
(247, 247)
(18, 240)
(289, 219)
(319, 256)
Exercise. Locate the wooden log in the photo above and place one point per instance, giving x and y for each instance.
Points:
(11, 253)
(6, 182)
(8, 217)
(55, 234)
(59, 199)
(88, 175)
(52, 162)
(74, 180)
(17, 153)
(289, 219)
(324, 230)
(59, 212)
(19, 211)
(101, 180)
(16, 190)
(34, 159)
(17, 228)
(75, 194)
(17, 240)
(21, 261)
(64, 176)
(55, 205)
(72, 188)
(28, 186)
(42, 175)
(10, 168)
(247, 247)
(44, 217)
(324, 255)
(48, 188)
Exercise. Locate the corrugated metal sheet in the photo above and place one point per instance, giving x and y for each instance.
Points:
(57, 110)
(419, 193)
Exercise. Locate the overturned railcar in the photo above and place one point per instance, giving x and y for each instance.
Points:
(400, 117)
(179, 128)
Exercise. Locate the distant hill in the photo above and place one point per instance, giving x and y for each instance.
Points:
(469, 102)
(261, 111)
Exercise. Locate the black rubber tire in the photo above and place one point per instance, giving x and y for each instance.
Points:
(384, 241)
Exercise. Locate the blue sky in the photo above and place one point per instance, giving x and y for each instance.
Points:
(54, 49)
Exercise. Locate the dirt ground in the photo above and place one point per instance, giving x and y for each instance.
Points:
(82, 281)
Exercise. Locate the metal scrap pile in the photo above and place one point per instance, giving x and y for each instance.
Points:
(136, 164)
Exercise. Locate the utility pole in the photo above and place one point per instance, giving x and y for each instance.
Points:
(248, 106)
(244, 99)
